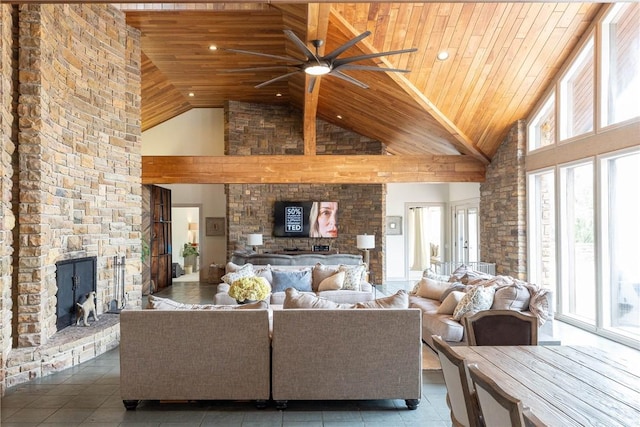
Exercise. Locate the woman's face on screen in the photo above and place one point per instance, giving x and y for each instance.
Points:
(327, 219)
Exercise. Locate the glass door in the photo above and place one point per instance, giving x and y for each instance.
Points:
(466, 237)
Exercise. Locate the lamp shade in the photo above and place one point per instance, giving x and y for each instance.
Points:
(254, 239)
(366, 241)
(193, 226)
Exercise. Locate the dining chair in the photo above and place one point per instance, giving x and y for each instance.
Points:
(461, 397)
(501, 327)
(497, 407)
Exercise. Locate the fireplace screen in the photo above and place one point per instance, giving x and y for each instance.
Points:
(74, 277)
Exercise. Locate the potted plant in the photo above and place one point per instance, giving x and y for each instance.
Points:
(189, 253)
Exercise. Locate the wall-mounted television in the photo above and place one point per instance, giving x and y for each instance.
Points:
(305, 219)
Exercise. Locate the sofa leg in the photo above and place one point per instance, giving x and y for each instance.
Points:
(412, 403)
(130, 404)
(261, 404)
(281, 404)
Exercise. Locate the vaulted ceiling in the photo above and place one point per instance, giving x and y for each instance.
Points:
(502, 59)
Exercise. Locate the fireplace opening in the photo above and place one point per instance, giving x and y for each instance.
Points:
(74, 278)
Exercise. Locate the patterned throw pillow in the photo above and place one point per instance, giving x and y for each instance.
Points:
(297, 279)
(477, 299)
(353, 276)
(245, 271)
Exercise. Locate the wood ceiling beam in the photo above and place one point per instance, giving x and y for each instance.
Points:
(317, 27)
(325, 169)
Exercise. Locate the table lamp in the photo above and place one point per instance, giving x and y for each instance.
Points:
(365, 242)
(254, 240)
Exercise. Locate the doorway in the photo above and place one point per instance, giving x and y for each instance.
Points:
(425, 237)
(186, 241)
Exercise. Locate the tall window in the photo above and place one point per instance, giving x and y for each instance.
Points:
(576, 95)
(542, 130)
(542, 229)
(620, 237)
(621, 63)
(577, 242)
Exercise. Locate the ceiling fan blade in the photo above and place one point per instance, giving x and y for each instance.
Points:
(301, 45)
(370, 68)
(312, 84)
(282, 77)
(264, 55)
(265, 68)
(334, 54)
(342, 61)
(350, 79)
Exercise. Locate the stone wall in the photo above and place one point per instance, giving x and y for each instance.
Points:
(79, 178)
(503, 218)
(8, 134)
(254, 129)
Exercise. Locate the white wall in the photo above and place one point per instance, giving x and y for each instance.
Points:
(398, 196)
(198, 132)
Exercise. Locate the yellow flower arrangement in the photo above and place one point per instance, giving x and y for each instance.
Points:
(250, 288)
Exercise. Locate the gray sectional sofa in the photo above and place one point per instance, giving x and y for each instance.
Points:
(228, 354)
(264, 264)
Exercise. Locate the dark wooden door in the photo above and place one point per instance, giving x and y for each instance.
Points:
(160, 237)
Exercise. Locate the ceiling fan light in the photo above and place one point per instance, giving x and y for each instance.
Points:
(317, 69)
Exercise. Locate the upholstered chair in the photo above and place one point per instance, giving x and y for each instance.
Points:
(497, 407)
(461, 397)
(501, 327)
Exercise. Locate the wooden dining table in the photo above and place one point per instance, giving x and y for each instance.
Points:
(565, 385)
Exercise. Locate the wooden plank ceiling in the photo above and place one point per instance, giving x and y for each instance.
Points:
(502, 58)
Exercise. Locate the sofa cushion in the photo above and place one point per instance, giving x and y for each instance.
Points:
(157, 303)
(477, 299)
(244, 271)
(295, 299)
(333, 282)
(297, 279)
(399, 300)
(354, 274)
(265, 272)
(450, 303)
(346, 296)
(431, 289)
(513, 297)
(444, 326)
(319, 273)
(425, 304)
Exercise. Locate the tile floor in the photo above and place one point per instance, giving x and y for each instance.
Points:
(88, 394)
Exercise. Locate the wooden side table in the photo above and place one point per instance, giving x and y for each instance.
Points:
(216, 271)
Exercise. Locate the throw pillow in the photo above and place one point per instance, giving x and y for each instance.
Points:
(321, 272)
(459, 287)
(232, 268)
(266, 273)
(513, 297)
(157, 303)
(450, 302)
(295, 299)
(332, 283)
(477, 299)
(297, 279)
(431, 289)
(244, 271)
(399, 300)
(353, 276)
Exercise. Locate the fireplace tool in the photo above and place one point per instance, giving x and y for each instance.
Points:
(115, 306)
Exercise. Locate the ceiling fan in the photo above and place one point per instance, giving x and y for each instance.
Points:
(316, 65)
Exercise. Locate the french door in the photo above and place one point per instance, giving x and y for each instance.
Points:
(466, 236)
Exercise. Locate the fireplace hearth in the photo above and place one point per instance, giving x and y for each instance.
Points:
(74, 278)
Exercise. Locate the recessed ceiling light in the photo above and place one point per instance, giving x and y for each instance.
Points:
(192, 94)
(443, 56)
(278, 94)
(339, 116)
(213, 47)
